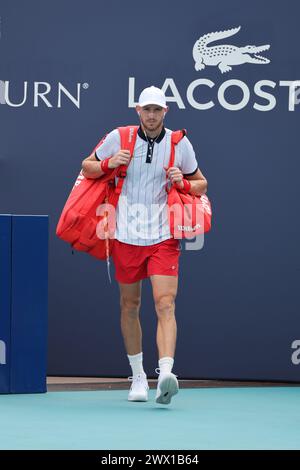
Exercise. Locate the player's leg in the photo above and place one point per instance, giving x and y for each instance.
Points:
(163, 270)
(130, 302)
(130, 263)
(164, 293)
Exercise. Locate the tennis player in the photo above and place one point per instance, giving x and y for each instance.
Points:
(144, 246)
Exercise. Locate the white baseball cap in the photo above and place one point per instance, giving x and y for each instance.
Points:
(152, 95)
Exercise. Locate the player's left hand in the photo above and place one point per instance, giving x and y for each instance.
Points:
(175, 176)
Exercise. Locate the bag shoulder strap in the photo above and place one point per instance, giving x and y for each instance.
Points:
(128, 138)
(176, 137)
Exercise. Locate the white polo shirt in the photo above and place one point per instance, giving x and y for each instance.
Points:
(141, 215)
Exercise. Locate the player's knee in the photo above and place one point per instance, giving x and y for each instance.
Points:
(165, 304)
(130, 306)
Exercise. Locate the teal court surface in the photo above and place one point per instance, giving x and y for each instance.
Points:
(210, 418)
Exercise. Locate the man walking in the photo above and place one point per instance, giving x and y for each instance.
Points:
(144, 246)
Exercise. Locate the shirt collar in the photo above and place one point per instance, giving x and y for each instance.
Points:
(159, 138)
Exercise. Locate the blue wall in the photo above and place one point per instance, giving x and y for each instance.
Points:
(238, 301)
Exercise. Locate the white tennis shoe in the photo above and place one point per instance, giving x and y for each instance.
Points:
(139, 388)
(167, 387)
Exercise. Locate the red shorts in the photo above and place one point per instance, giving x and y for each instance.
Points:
(133, 262)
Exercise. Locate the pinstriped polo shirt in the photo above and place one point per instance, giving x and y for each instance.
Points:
(141, 215)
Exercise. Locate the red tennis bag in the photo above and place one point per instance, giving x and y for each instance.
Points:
(85, 215)
(188, 215)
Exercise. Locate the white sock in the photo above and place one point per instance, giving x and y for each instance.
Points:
(165, 365)
(136, 362)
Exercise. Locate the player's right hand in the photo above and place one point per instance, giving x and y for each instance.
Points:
(122, 157)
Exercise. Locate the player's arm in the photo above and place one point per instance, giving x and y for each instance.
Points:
(198, 183)
(196, 178)
(91, 166)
